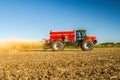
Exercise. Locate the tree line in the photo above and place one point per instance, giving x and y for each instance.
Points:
(108, 44)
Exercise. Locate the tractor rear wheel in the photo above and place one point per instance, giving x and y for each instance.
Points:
(87, 45)
(57, 45)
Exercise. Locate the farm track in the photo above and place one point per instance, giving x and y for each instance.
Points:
(99, 64)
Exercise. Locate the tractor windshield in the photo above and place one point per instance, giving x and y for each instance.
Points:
(80, 34)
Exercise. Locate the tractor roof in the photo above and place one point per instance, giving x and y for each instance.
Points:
(81, 29)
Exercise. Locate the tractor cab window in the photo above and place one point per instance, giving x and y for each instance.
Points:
(80, 34)
(83, 33)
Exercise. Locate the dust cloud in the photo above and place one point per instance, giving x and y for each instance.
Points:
(20, 45)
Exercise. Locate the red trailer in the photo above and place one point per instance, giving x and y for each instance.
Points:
(70, 35)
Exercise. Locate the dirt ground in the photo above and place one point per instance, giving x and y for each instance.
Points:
(99, 64)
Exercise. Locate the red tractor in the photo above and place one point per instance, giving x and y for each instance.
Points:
(78, 38)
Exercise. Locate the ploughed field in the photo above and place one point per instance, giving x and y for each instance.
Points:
(99, 64)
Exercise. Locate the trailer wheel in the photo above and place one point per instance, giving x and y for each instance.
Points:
(87, 45)
(57, 46)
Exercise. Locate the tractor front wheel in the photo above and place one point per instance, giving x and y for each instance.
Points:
(57, 45)
(87, 45)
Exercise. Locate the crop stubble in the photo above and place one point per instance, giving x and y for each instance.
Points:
(98, 64)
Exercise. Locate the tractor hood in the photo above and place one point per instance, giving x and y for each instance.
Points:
(92, 38)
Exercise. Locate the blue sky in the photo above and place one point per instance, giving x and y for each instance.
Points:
(33, 19)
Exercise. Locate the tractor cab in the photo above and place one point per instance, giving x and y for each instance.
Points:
(80, 34)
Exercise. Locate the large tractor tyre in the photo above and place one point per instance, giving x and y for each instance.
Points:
(87, 45)
(57, 46)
